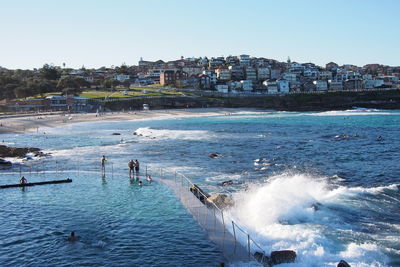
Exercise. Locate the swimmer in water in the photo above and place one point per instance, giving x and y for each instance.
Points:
(72, 237)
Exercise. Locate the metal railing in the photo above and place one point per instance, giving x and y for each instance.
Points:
(235, 243)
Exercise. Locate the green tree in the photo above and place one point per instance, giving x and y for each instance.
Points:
(50, 72)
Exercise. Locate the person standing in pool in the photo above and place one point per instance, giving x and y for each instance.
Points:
(137, 166)
(23, 180)
(131, 165)
(103, 165)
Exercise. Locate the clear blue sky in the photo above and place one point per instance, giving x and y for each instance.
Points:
(99, 33)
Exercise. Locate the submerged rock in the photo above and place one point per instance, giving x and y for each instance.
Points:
(262, 258)
(221, 200)
(213, 155)
(343, 263)
(5, 163)
(283, 256)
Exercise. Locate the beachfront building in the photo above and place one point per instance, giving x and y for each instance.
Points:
(171, 77)
(335, 85)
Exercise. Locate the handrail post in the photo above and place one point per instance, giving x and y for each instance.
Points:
(248, 244)
(234, 235)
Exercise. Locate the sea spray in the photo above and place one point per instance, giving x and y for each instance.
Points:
(303, 213)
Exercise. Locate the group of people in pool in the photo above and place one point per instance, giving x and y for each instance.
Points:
(134, 168)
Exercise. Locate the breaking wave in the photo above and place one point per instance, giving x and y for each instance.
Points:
(304, 213)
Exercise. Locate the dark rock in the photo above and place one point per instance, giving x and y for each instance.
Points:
(134, 133)
(213, 155)
(199, 193)
(6, 151)
(5, 163)
(262, 258)
(116, 134)
(220, 200)
(343, 263)
(283, 256)
(225, 183)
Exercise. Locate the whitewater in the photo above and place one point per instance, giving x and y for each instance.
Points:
(325, 184)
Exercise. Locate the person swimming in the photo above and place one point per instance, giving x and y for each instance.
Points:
(149, 179)
(140, 183)
(72, 237)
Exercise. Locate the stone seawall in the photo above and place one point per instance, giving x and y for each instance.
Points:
(294, 102)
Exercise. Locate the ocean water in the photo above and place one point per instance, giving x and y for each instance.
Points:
(325, 184)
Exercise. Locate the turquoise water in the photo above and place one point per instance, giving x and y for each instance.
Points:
(324, 184)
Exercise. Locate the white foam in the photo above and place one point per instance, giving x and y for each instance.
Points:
(291, 211)
(352, 113)
(173, 134)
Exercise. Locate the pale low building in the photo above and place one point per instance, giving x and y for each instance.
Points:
(247, 85)
(371, 84)
(335, 85)
(321, 85)
(222, 88)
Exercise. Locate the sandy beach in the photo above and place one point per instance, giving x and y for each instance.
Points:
(36, 122)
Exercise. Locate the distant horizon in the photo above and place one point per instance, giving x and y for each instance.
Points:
(105, 33)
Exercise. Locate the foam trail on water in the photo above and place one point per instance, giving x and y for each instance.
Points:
(173, 134)
(300, 212)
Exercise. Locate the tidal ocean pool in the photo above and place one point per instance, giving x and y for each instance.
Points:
(325, 184)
